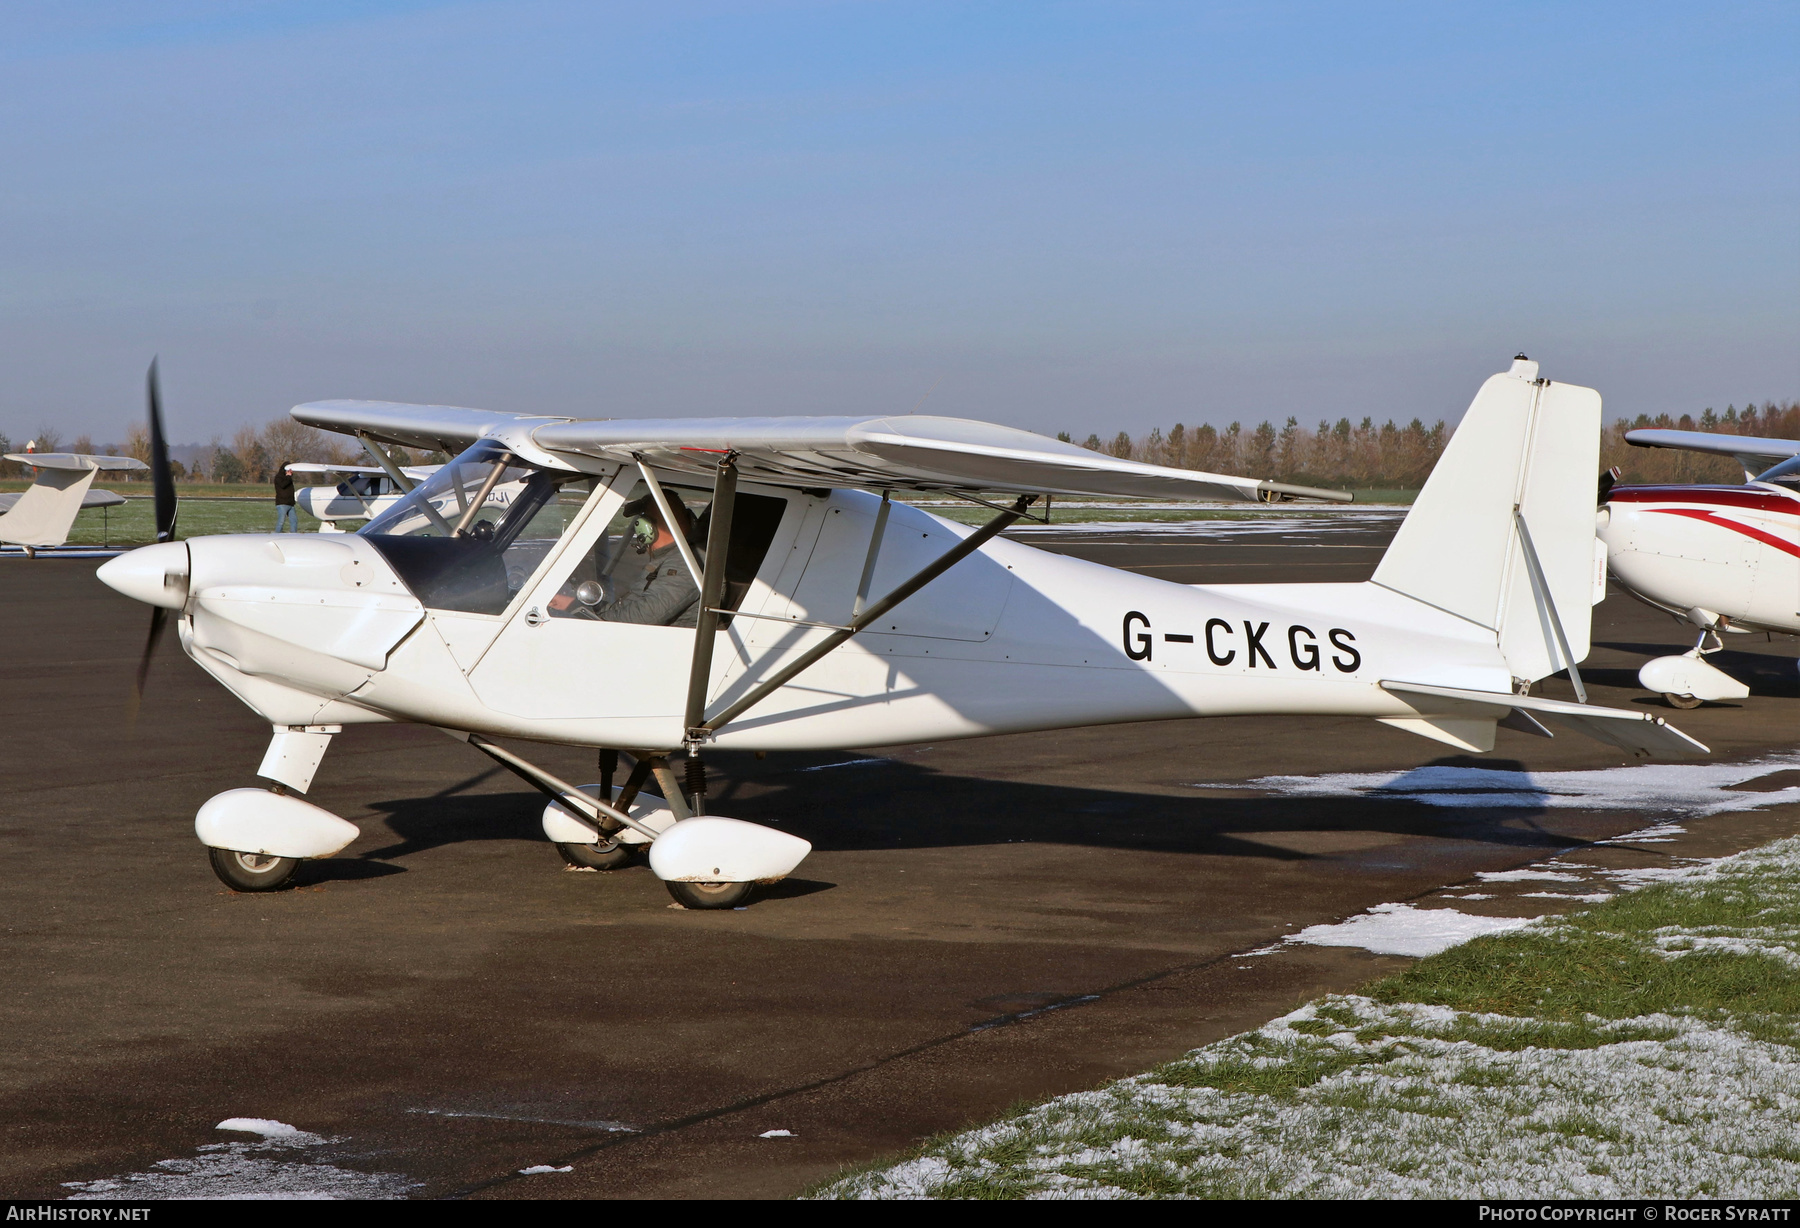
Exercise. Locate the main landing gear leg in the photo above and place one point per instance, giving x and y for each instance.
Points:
(700, 896)
(607, 854)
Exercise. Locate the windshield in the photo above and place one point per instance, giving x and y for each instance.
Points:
(1787, 473)
(473, 534)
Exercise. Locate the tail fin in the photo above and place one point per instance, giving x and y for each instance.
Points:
(1527, 451)
(43, 514)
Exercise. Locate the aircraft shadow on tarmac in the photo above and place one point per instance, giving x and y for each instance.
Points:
(892, 804)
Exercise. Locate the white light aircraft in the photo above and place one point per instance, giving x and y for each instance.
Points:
(367, 492)
(828, 615)
(1725, 558)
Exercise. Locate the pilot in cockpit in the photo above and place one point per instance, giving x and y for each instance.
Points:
(649, 581)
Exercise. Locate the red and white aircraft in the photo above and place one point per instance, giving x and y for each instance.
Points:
(1725, 558)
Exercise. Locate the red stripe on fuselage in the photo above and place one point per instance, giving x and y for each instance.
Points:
(1708, 496)
(1768, 539)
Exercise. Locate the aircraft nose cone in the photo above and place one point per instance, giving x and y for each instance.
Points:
(155, 575)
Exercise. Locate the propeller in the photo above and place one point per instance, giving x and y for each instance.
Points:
(163, 485)
(1608, 480)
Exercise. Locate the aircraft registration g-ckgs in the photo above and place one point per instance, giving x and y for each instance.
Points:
(823, 614)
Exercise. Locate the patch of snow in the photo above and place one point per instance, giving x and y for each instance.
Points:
(1401, 929)
(264, 1170)
(1519, 876)
(1688, 789)
(267, 1128)
(1595, 898)
(776, 1134)
(535, 1169)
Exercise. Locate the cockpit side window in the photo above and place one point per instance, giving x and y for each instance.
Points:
(625, 563)
(473, 534)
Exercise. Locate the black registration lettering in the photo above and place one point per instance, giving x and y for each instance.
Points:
(1306, 656)
(1137, 643)
(1179, 639)
(1340, 640)
(1212, 651)
(1253, 646)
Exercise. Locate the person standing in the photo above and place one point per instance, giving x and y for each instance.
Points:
(285, 513)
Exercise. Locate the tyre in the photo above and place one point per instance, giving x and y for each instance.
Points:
(252, 871)
(710, 895)
(1683, 702)
(606, 855)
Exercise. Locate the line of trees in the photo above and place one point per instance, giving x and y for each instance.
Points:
(1364, 455)
(1341, 454)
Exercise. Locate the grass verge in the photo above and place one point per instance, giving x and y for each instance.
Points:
(1645, 1047)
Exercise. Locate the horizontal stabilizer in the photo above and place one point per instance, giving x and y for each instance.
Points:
(78, 461)
(1641, 733)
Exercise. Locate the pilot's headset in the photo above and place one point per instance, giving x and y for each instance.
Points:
(641, 526)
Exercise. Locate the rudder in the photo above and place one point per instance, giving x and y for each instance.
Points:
(1527, 444)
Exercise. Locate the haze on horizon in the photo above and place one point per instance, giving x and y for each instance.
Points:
(1083, 217)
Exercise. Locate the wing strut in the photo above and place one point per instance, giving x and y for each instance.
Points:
(670, 523)
(387, 464)
(1541, 587)
(950, 558)
(712, 590)
(868, 571)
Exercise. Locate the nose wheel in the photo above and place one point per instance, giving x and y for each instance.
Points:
(252, 871)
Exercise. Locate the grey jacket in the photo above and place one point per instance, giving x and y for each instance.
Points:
(664, 594)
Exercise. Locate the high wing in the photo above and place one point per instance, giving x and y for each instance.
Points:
(445, 428)
(917, 453)
(1754, 454)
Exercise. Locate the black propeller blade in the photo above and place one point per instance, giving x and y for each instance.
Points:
(159, 617)
(161, 482)
(163, 485)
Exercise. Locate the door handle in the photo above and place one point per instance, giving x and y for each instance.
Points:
(533, 618)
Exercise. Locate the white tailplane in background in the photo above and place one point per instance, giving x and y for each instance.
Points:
(660, 586)
(62, 485)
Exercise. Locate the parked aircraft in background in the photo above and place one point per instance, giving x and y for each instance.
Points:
(40, 517)
(1725, 558)
(822, 614)
(367, 492)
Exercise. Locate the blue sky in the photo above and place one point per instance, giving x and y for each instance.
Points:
(1065, 216)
